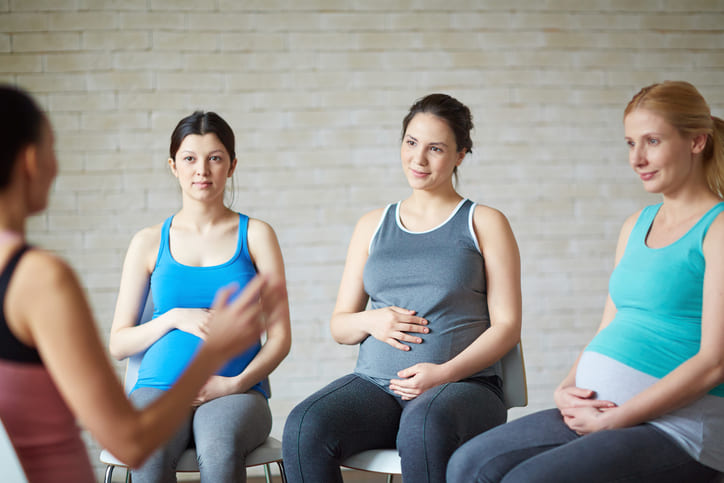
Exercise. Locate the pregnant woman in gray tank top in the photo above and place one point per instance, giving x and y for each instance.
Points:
(442, 279)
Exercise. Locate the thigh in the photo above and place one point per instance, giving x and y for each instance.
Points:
(492, 454)
(226, 429)
(348, 416)
(161, 465)
(437, 422)
(236, 422)
(637, 454)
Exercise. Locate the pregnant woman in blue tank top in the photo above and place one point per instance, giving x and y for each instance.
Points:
(442, 278)
(644, 401)
(184, 261)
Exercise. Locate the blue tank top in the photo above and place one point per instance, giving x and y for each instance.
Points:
(174, 285)
(658, 294)
(439, 273)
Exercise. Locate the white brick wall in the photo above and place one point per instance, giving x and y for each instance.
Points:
(315, 91)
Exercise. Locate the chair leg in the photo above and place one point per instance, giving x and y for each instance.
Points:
(283, 473)
(267, 474)
(109, 474)
(390, 478)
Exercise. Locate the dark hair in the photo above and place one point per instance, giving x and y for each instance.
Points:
(20, 125)
(453, 112)
(682, 106)
(201, 123)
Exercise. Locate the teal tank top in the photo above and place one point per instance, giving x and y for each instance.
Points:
(658, 294)
(174, 285)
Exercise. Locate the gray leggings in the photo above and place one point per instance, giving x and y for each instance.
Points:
(223, 430)
(353, 414)
(541, 448)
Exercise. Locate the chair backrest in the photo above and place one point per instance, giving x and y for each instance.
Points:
(12, 470)
(515, 387)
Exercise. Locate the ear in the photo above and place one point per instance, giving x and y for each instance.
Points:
(28, 161)
(232, 167)
(698, 143)
(172, 165)
(461, 155)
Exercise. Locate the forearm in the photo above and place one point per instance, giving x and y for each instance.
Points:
(488, 348)
(684, 385)
(349, 327)
(128, 341)
(272, 353)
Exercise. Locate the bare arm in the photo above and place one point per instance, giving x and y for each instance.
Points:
(694, 377)
(127, 337)
(351, 323)
(49, 311)
(567, 394)
(267, 257)
(502, 273)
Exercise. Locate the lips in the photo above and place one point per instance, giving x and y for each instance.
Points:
(418, 174)
(647, 176)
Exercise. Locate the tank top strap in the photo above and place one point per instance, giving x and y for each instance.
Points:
(242, 245)
(702, 226)
(12, 348)
(163, 246)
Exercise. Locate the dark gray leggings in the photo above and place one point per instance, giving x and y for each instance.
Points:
(223, 430)
(541, 448)
(352, 414)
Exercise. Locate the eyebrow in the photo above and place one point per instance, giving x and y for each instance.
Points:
(437, 143)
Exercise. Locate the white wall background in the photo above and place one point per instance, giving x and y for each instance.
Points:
(316, 91)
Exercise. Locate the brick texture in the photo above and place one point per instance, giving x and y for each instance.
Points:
(316, 91)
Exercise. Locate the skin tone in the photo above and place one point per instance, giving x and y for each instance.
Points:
(667, 162)
(46, 309)
(203, 233)
(429, 154)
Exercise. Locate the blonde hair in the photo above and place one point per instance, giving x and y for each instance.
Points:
(681, 104)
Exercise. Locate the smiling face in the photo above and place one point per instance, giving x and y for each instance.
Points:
(664, 159)
(428, 153)
(202, 165)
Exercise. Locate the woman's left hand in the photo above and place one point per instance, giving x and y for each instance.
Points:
(585, 420)
(215, 387)
(417, 379)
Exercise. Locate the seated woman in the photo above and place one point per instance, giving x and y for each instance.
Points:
(185, 260)
(442, 275)
(645, 400)
(53, 367)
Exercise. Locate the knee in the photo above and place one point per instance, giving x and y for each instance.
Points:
(463, 464)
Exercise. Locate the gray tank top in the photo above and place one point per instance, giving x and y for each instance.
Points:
(439, 273)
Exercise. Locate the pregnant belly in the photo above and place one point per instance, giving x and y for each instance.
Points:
(611, 380)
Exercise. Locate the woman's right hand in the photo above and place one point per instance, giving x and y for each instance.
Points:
(395, 325)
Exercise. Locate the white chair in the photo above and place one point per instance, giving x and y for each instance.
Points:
(269, 452)
(12, 470)
(515, 394)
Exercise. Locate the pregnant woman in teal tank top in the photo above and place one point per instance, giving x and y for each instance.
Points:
(644, 400)
(205, 245)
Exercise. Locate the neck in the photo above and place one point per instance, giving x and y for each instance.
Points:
(424, 199)
(202, 215)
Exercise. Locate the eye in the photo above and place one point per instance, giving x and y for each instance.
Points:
(630, 144)
(654, 141)
(215, 158)
(188, 159)
(410, 142)
(435, 149)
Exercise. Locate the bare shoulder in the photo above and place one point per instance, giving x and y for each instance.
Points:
(368, 223)
(485, 216)
(260, 228)
(714, 240)
(144, 246)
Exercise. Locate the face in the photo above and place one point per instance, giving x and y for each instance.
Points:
(664, 159)
(47, 169)
(428, 152)
(202, 166)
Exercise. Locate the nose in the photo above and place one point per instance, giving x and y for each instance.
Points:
(419, 157)
(202, 167)
(637, 156)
